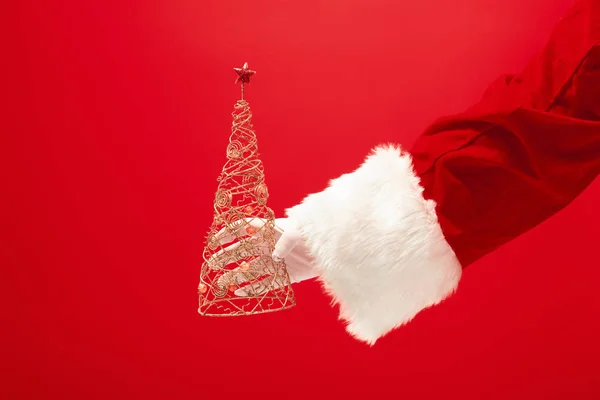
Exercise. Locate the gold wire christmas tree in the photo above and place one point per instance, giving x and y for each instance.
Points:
(239, 275)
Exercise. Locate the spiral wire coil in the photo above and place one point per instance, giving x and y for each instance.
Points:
(239, 275)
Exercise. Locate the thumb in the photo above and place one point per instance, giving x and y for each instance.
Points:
(286, 243)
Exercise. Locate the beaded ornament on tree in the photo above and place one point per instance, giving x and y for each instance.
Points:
(239, 275)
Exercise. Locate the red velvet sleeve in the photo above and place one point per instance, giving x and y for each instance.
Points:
(526, 150)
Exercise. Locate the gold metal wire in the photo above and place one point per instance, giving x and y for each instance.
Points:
(238, 275)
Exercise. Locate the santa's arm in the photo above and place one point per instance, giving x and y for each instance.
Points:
(377, 244)
(393, 237)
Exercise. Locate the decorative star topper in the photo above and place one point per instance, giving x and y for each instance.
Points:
(244, 74)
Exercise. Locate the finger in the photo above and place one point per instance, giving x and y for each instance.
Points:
(246, 246)
(236, 252)
(231, 232)
(274, 280)
(247, 271)
(239, 228)
(264, 286)
(286, 243)
(237, 276)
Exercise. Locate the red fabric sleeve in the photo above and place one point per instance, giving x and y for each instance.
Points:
(525, 151)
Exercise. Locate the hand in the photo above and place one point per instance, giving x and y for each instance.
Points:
(289, 246)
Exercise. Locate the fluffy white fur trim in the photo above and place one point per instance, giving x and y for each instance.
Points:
(377, 244)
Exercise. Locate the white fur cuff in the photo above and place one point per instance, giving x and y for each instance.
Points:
(378, 245)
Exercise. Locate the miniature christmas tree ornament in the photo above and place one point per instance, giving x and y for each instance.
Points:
(239, 275)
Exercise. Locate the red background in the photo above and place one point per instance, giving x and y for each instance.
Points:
(114, 130)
